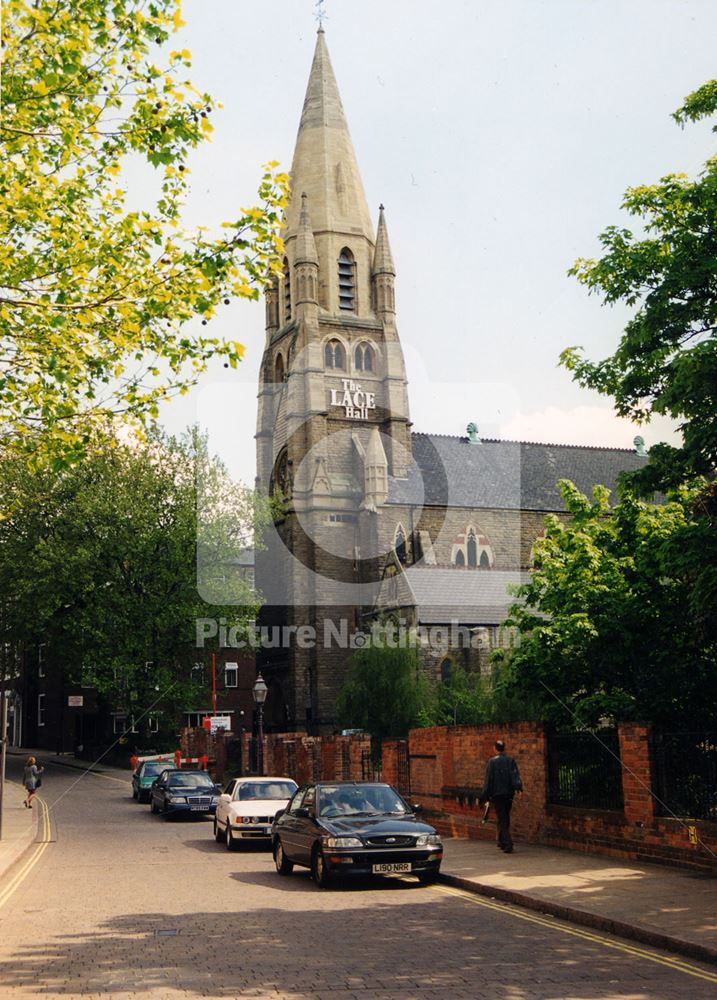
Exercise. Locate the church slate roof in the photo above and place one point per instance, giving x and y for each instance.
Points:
(504, 475)
(442, 595)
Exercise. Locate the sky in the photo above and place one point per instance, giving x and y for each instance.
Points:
(501, 137)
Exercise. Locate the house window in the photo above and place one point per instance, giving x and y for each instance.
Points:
(231, 675)
(287, 291)
(41, 659)
(363, 358)
(334, 355)
(399, 544)
(41, 710)
(347, 281)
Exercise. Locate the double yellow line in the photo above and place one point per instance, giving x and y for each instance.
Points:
(40, 847)
(677, 964)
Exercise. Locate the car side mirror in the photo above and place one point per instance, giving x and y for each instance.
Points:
(302, 813)
(417, 808)
(279, 812)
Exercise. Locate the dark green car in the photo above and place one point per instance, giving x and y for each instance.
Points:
(145, 775)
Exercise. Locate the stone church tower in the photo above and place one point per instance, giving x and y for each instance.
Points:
(333, 421)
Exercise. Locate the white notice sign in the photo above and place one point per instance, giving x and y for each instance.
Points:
(75, 700)
(220, 722)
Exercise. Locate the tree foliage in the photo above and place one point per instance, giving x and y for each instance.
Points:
(99, 563)
(95, 296)
(615, 622)
(666, 361)
(385, 693)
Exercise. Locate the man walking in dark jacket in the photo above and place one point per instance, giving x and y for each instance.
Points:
(502, 781)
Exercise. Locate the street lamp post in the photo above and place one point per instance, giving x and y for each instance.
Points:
(259, 692)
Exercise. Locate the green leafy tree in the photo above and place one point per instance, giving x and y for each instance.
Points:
(99, 562)
(666, 362)
(612, 622)
(96, 298)
(385, 693)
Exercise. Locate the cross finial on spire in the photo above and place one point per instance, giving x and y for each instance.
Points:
(320, 14)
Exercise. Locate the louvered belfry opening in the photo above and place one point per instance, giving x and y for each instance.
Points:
(287, 291)
(347, 281)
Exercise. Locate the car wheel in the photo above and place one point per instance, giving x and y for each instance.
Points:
(232, 842)
(219, 835)
(283, 865)
(428, 878)
(319, 871)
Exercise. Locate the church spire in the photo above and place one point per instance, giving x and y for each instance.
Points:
(324, 164)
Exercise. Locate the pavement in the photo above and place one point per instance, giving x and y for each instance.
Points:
(668, 908)
(19, 827)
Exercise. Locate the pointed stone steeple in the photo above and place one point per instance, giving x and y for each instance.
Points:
(383, 274)
(382, 258)
(324, 164)
(306, 266)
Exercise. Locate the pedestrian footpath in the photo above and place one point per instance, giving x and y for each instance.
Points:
(19, 829)
(664, 907)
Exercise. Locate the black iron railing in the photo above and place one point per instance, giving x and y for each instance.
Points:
(584, 770)
(685, 774)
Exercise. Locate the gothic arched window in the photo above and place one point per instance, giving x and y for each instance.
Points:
(281, 481)
(484, 560)
(472, 548)
(334, 355)
(446, 669)
(399, 544)
(287, 291)
(363, 358)
(279, 369)
(347, 281)
(460, 558)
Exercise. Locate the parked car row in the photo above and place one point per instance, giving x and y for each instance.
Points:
(333, 828)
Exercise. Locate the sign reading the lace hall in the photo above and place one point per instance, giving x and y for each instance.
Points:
(355, 401)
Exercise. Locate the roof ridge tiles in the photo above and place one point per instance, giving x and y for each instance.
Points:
(541, 444)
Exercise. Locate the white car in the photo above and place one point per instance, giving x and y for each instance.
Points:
(247, 807)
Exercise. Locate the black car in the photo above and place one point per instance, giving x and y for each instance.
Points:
(354, 828)
(177, 792)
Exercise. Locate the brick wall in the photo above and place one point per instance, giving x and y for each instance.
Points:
(311, 758)
(447, 768)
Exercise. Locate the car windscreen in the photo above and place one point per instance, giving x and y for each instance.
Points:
(360, 800)
(190, 781)
(152, 768)
(265, 790)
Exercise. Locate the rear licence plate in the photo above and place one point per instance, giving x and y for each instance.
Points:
(389, 869)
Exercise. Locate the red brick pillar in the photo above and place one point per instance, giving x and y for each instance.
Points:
(636, 772)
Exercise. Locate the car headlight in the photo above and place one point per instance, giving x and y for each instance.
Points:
(342, 842)
(176, 798)
(428, 840)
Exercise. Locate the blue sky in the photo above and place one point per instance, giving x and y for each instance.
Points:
(500, 136)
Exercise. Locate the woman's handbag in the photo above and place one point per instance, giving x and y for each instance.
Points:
(38, 781)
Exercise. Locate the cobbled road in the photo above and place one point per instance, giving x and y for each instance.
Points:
(125, 904)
